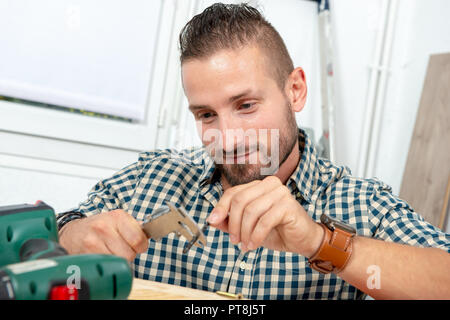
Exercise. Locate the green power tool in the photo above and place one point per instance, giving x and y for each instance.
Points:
(33, 266)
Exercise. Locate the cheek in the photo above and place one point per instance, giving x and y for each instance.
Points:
(200, 128)
(207, 132)
(270, 118)
(211, 137)
(276, 126)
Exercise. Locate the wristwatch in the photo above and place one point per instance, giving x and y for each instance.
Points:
(336, 248)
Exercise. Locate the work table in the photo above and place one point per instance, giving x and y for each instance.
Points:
(152, 290)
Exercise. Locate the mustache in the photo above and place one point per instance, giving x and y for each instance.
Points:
(255, 152)
(236, 152)
(240, 151)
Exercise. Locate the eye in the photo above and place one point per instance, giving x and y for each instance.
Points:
(246, 106)
(205, 116)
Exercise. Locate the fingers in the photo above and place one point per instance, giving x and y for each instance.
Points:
(91, 243)
(131, 232)
(266, 223)
(260, 213)
(240, 202)
(220, 212)
(119, 246)
(240, 207)
(256, 209)
(114, 232)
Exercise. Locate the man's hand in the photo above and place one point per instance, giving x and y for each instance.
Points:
(264, 213)
(114, 232)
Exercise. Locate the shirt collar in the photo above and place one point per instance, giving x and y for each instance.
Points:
(306, 176)
(210, 175)
(304, 179)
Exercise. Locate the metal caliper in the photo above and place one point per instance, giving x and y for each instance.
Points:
(167, 219)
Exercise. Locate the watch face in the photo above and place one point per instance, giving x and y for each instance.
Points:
(332, 224)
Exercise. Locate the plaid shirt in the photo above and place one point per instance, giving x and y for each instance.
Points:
(188, 178)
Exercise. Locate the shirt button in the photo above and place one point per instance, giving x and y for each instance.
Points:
(299, 195)
(243, 266)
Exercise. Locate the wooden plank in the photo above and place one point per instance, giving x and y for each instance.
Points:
(152, 290)
(445, 207)
(428, 165)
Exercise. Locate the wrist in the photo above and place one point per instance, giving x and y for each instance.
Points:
(317, 235)
(336, 247)
(67, 217)
(63, 228)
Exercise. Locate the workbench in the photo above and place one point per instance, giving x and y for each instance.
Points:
(152, 290)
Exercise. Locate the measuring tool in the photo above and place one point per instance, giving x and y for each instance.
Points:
(170, 219)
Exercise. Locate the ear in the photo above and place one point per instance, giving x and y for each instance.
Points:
(296, 89)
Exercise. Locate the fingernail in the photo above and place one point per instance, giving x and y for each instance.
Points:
(250, 246)
(213, 217)
(233, 238)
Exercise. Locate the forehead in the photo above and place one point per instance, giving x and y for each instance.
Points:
(225, 70)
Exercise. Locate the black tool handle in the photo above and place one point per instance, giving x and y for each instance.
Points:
(40, 248)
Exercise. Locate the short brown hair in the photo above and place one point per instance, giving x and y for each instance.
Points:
(232, 26)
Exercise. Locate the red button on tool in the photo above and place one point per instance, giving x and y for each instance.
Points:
(63, 293)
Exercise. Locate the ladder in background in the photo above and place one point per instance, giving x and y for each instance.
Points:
(326, 142)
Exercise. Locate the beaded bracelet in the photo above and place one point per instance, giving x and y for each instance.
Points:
(66, 217)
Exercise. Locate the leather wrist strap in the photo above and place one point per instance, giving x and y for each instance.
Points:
(334, 252)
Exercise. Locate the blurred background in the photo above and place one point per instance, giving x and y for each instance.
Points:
(86, 85)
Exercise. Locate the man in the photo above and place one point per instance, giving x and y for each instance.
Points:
(267, 196)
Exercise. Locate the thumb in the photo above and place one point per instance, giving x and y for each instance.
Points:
(219, 218)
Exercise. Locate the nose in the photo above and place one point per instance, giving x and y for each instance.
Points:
(233, 135)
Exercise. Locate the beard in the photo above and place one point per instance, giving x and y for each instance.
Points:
(236, 173)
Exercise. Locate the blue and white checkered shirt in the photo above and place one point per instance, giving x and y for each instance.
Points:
(188, 179)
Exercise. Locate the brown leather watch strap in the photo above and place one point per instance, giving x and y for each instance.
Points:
(334, 252)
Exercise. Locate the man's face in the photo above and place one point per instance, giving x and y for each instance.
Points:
(243, 117)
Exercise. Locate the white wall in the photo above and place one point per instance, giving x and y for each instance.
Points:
(74, 151)
(354, 27)
(59, 191)
(421, 28)
(62, 170)
(58, 172)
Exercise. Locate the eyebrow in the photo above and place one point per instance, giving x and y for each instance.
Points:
(240, 95)
(197, 107)
(230, 100)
